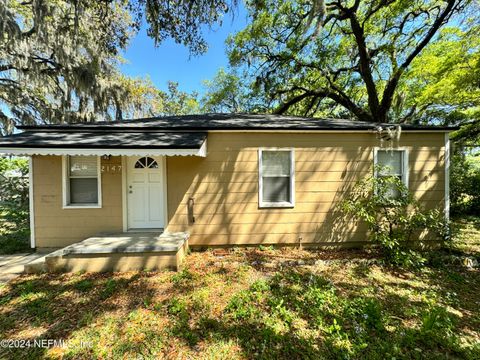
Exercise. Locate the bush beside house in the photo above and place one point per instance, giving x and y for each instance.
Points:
(14, 205)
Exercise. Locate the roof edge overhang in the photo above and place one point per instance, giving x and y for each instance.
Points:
(103, 128)
(330, 131)
(29, 151)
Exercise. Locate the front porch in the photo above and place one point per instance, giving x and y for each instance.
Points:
(94, 180)
(118, 252)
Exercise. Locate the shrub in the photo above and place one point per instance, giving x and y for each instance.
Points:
(14, 183)
(393, 217)
(465, 183)
(14, 209)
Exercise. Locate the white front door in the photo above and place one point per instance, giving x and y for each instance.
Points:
(145, 192)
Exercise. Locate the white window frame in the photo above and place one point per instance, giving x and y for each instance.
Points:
(281, 204)
(405, 167)
(66, 186)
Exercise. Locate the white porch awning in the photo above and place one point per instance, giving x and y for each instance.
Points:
(126, 143)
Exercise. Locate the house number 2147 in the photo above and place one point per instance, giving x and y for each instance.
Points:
(111, 168)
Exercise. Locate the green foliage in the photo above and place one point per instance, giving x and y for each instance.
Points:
(437, 327)
(176, 102)
(140, 98)
(335, 326)
(442, 84)
(333, 311)
(368, 313)
(183, 21)
(110, 287)
(59, 59)
(350, 61)
(436, 318)
(177, 307)
(84, 285)
(239, 306)
(465, 183)
(393, 217)
(14, 183)
(228, 92)
(466, 236)
(14, 205)
(183, 277)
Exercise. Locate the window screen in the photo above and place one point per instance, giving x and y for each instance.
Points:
(392, 164)
(82, 180)
(392, 161)
(276, 177)
(83, 191)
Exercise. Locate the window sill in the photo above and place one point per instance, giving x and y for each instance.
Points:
(276, 205)
(66, 207)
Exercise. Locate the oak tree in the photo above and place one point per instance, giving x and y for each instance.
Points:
(342, 58)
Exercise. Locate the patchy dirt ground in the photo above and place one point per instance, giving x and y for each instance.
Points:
(243, 304)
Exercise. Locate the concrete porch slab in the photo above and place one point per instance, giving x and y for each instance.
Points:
(128, 243)
(121, 252)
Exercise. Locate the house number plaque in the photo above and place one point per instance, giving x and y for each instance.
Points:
(112, 169)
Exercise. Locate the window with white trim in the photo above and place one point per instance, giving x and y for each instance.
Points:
(276, 178)
(82, 183)
(393, 162)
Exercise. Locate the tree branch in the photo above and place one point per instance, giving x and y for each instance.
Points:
(364, 63)
(391, 86)
(341, 99)
(376, 9)
(6, 67)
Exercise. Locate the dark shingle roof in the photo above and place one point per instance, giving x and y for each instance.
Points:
(232, 122)
(104, 140)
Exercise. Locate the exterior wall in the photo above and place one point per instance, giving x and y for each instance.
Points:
(224, 186)
(58, 227)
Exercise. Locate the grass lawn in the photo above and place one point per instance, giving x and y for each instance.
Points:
(467, 235)
(258, 303)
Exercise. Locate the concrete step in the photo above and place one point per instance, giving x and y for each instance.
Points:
(36, 266)
(121, 252)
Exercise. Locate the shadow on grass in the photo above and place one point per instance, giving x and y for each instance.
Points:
(301, 315)
(58, 304)
(293, 314)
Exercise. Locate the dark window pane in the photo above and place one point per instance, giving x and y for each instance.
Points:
(83, 191)
(152, 164)
(276, 189)
(146, 162)
(140, 164)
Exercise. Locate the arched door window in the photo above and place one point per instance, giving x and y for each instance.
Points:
(146, 163)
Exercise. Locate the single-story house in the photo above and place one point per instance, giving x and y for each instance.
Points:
(222, 179)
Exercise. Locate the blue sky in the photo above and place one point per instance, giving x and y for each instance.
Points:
(170, 61)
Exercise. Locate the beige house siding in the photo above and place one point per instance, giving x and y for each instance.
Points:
(224, 186)
(58, 227)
